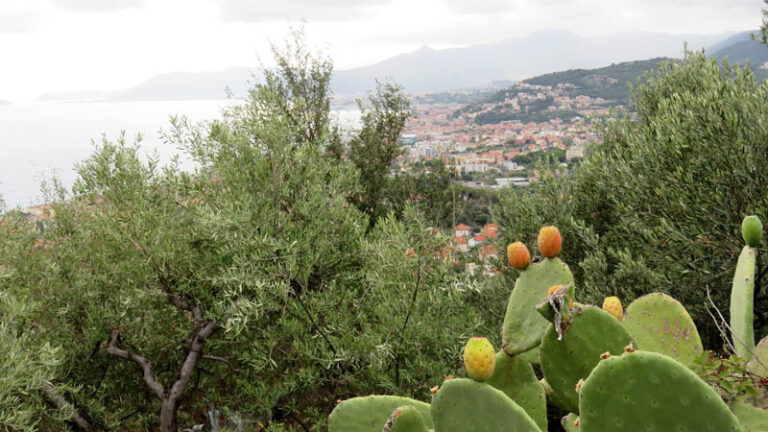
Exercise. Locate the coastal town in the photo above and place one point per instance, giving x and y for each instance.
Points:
(489, 143)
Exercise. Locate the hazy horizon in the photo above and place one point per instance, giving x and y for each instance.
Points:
(113, 44)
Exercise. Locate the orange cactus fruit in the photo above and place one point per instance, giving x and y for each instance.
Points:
(550, 241)
(518, 255)
(479, 359)
(612, 305)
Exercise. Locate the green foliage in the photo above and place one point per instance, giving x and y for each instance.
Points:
(656, 205)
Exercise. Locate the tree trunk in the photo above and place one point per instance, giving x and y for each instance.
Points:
(168, 416)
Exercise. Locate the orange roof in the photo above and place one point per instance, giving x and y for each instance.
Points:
(462, 227)
(460, 240)
(480, 238)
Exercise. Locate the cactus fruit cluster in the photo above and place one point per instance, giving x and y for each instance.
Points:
(611, 368)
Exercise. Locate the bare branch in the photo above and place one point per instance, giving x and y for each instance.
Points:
(52, 394)
(146, 366)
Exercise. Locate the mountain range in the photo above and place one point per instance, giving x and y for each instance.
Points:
(429, 70)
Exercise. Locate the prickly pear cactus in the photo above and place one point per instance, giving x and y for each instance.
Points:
(590, 333)
(743, 290)
(552, 397)
(370, 413)
(659, 323)
(758, 365)
(405, 419)
(647, 391)
(570, 423)
(515, 377)
(752, 418)
(464, 405)
(523, 325)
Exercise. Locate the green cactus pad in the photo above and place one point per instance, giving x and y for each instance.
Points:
(752, 418)
(523, 325)
(515, 377)
(405, 419)
(647, 391)
(742, 303)
(567, 423)
(531, 356)
(659, 323)
(552, 397)
(752, 231)
(464, 405)
(591, 332)
(370, 413)
(758, 365)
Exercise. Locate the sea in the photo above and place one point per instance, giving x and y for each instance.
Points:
(44, 140)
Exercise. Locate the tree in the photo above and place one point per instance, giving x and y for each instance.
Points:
(376, 147)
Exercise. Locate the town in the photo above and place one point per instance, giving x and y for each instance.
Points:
(496, 141)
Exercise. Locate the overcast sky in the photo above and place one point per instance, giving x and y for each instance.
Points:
(64, 45)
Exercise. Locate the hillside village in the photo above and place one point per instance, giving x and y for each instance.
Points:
(498, 154)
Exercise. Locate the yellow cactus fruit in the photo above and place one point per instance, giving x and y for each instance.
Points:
(479, 359)
(550, 241)
(612, 305)
(518, 255)
(555, 288)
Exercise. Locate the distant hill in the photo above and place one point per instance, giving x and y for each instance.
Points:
(428, 70)
(609, 82)
(741, 48)
(4, 102)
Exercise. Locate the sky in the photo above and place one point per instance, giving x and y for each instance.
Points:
(67, 45)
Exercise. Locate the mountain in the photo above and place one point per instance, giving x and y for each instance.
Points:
(741, 48)
(430, 70)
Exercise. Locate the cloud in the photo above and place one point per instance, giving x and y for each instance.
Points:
(481, 7)
(292, 10)
(96, 5)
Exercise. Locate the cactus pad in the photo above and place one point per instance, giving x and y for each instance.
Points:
(463, 405)
(570, 423)
(758, 365)
(523, 325)
(370, 413)
(405, 419)
(647, 391)
(752, 418)
(659, 323)
(515, 377)
(479, 358)
(742, 303)
(591, 332)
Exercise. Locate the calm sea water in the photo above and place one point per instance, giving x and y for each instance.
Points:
(40, 140)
